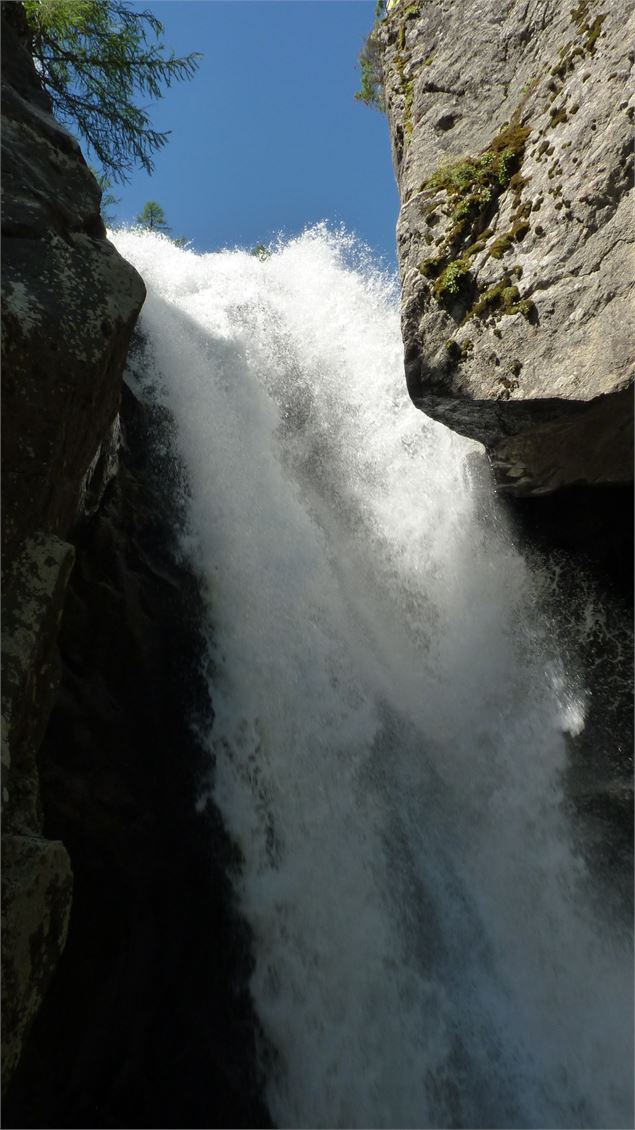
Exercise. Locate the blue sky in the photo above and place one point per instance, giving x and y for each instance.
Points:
(267, 136)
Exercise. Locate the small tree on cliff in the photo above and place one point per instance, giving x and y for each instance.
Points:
(94, 58)
(153, 218)
(371, 90)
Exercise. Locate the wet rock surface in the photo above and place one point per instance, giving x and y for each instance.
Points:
(149, 1020)
(69, 303)
(146, 1021)
(37, 880)
(579, 542)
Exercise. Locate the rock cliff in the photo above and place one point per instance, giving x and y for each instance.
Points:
(125, 967)
(69, 303)
(148, 1020)
(511, 130)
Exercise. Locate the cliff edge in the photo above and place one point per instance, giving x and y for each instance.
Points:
(511, 132)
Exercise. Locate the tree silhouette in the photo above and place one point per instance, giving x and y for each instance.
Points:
(153, 218)
(95, 57)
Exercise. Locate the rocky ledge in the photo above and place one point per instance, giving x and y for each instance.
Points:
(511, 131)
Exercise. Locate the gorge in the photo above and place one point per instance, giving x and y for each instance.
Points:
(339, 758)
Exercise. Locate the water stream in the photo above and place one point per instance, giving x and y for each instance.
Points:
(391, 716)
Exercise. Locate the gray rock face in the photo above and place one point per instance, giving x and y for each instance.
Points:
(511, 129)
(36, 873)
(69, 304)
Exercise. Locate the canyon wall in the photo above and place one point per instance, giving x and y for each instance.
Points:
(125, 966)
(511, 133)
(69, 303)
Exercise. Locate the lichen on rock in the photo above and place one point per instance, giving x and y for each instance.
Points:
(515, 221)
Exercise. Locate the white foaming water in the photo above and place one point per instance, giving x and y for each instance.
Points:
(389, 719)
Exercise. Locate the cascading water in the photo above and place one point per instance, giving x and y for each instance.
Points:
(390, 716)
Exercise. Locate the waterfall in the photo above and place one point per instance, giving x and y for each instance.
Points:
(391, 715)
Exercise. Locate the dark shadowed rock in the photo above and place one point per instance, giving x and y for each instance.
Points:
(69, 303)
(125, 966)
(36, 873)
(149, 1020)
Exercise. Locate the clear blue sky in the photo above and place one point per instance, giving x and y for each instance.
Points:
(267, 136)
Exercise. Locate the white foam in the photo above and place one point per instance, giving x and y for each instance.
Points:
(389, 730)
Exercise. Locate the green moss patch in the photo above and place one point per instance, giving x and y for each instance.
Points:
(590, 29)
(453, 280)
(594, 32)
(502, 298)
(500, 246)
(491, 170)
(407, 89)
(458, 352)
(516, 233)
(473, 186)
